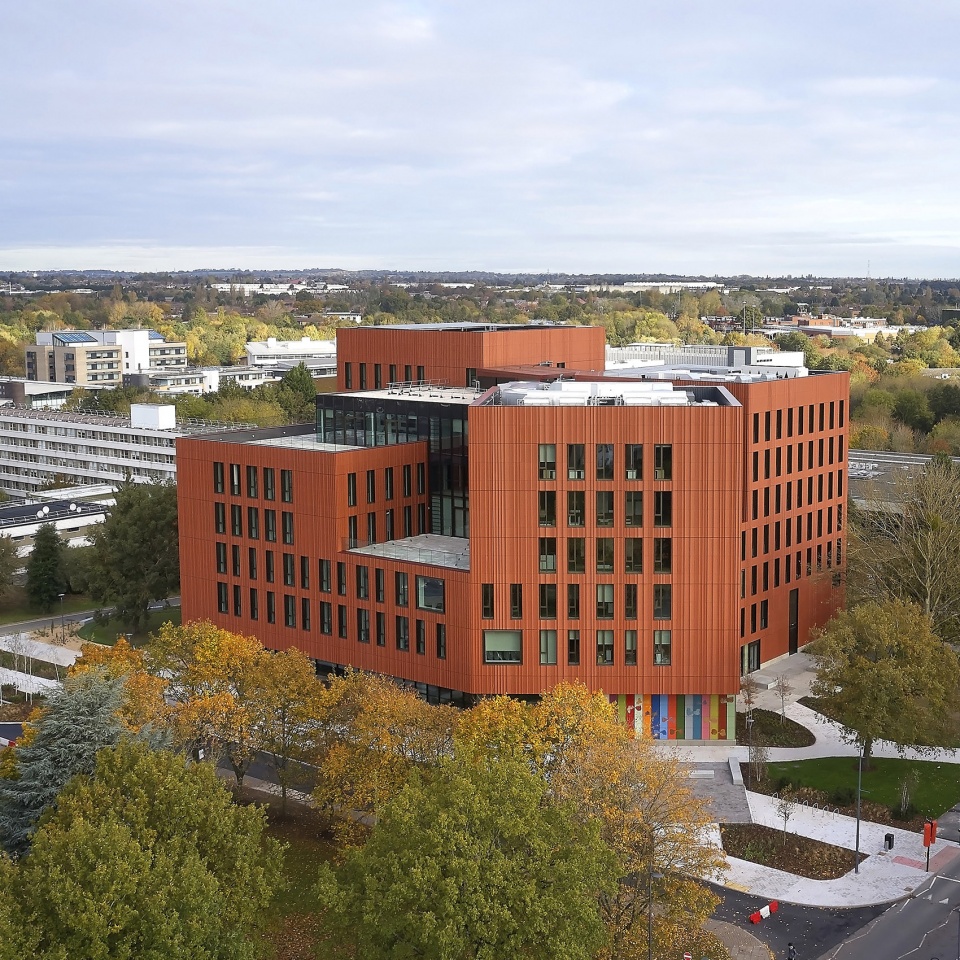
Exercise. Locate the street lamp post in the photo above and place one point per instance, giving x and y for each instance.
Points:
(63, 629)
(749, 749)
(856, 852)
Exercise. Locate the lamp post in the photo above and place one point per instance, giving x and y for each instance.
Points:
(650, 877)
(749, 749)
(856, 853)
(63, 629)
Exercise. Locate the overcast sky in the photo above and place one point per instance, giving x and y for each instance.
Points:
(695, 137)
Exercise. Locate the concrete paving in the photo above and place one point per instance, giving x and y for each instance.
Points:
(884, 876)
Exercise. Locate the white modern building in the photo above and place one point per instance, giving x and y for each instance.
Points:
(319, 356)
(47, 448)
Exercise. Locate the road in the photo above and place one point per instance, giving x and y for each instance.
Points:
(78, 616)
(812, 930)
(923, 927)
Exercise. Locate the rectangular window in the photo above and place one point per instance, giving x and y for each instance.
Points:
(223, 598)
(371, 528)
(604, 508)
(286, 486)
(252, 475)
(253, 523)
(575, 508)
(377, 376)
(371, 486)
(270, 526)
(662, 555)
(633, 555)
(271, 573)
(388, 525)
(633, 514)
(630, 601)
(271, 607)
(236, 519)
(351, 489)
(764, 614)
(325, 580)
(218, 478)
(269, 483)
(576, 555)
(341, 621)
(661, 648)
(662, 508)
(287, 519)
(548, 648)
(547, 507)
(388, 483)
(573, 601)
(573, 648)
(381, 629)
(254, 605)
(363, 626)
(486, 601)
(421, 478)
(341, 578)
(604, 554)
(430, 594)
(421, 374)
(393, 373)
(421, 518)
(441, 641)
(235, 479)
(421, 637)
(379, 585)
(407, 474)
(305, 613)
(663, 461)
(604, 648)
(352, 531)
(633, 452)
(516, 601)
(604, 461)
(221, 558)
(402, 589)
(237, 600)
(289, 611)
(408, 521)
(304, 573)
(502, 646)
(326, 618)
(235, 554)
(288, 572)
(548, 554)
(408, 373)
(403, 633)
(662, 601)
(348, 376)
(547, 461)
(604, 601)
(548, 601)
(252, 563)
(363, 583)
(630, 648)
(220, 518)
(576, 461)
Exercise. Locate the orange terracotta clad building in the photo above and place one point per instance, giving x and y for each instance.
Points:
(652, 533)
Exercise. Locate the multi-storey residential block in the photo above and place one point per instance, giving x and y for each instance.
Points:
(653, 532)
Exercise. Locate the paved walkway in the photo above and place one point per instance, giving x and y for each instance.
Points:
(884, 876)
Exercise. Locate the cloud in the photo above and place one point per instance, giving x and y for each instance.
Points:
(889, 86)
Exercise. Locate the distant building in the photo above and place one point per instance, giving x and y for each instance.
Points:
(42, 448)
(100, 358)
(72, 520)
(21, 392)
(319, 356)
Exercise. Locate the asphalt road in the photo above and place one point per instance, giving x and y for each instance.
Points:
(813, 931)
(79, 616)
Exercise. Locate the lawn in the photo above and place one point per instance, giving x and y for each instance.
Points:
(15, 607)
(936, 785)
(108, 633)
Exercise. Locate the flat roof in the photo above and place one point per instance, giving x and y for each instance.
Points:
(305, 442)
(600, 393)
(472, 327)
(430, 392)
(453, 552)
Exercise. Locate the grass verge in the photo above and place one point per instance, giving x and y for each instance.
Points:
(934, 787)
(108, 632)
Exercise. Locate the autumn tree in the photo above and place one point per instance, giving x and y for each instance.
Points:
(472, 863)
(371, 736)
(135, 558)
(884, 674)
(45, 579)
(147, 857)
(904, 541)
